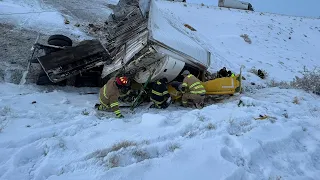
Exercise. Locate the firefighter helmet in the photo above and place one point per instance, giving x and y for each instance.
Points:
(123, 81)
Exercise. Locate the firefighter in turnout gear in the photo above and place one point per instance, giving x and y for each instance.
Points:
(192, 90)
(110, 93)
(159, 94)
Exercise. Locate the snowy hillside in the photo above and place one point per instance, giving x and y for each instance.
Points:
(279, 44)
(54, 133)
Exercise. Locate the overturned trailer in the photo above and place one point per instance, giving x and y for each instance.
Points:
(139, 41)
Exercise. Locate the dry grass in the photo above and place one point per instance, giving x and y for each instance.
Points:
(310, 82)
(201, 118)
(296, 100)
(211, 126)
(140, 155)
(123, 144)
(114, 161)
(172, 147)
(246, 38)
(281, 84)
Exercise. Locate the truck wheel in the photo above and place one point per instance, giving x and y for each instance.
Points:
(57, 40)
(60, 39)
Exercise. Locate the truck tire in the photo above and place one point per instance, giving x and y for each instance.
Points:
(57, 40)
(61, 39)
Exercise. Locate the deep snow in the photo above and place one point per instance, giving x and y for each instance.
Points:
(53, 139)
(48, 17)
(53, 132)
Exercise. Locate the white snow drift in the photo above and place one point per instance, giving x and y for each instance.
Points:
(56, 135)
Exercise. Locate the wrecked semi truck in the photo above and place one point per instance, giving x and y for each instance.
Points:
(137, 41)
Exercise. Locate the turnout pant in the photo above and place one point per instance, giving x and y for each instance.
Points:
(110, 103)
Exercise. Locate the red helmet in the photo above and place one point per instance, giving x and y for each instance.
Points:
(123, 81)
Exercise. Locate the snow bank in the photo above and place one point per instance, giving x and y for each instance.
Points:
(56, 140)
(152, 120)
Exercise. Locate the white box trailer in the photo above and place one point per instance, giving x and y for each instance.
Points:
(235, 4)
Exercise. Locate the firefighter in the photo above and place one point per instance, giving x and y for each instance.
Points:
(223, 72)
(110, 93)
(159, 94)
(193, 90)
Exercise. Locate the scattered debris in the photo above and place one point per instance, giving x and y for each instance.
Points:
(246, 38)
(261, 73)
(189, 27)
(296, 100)
(285, 115)
(85, 112)
(66, 21)
(262, 117)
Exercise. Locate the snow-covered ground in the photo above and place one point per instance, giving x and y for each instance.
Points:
(279, 44)
(48, 17)
(53, 132)
(56, 135)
